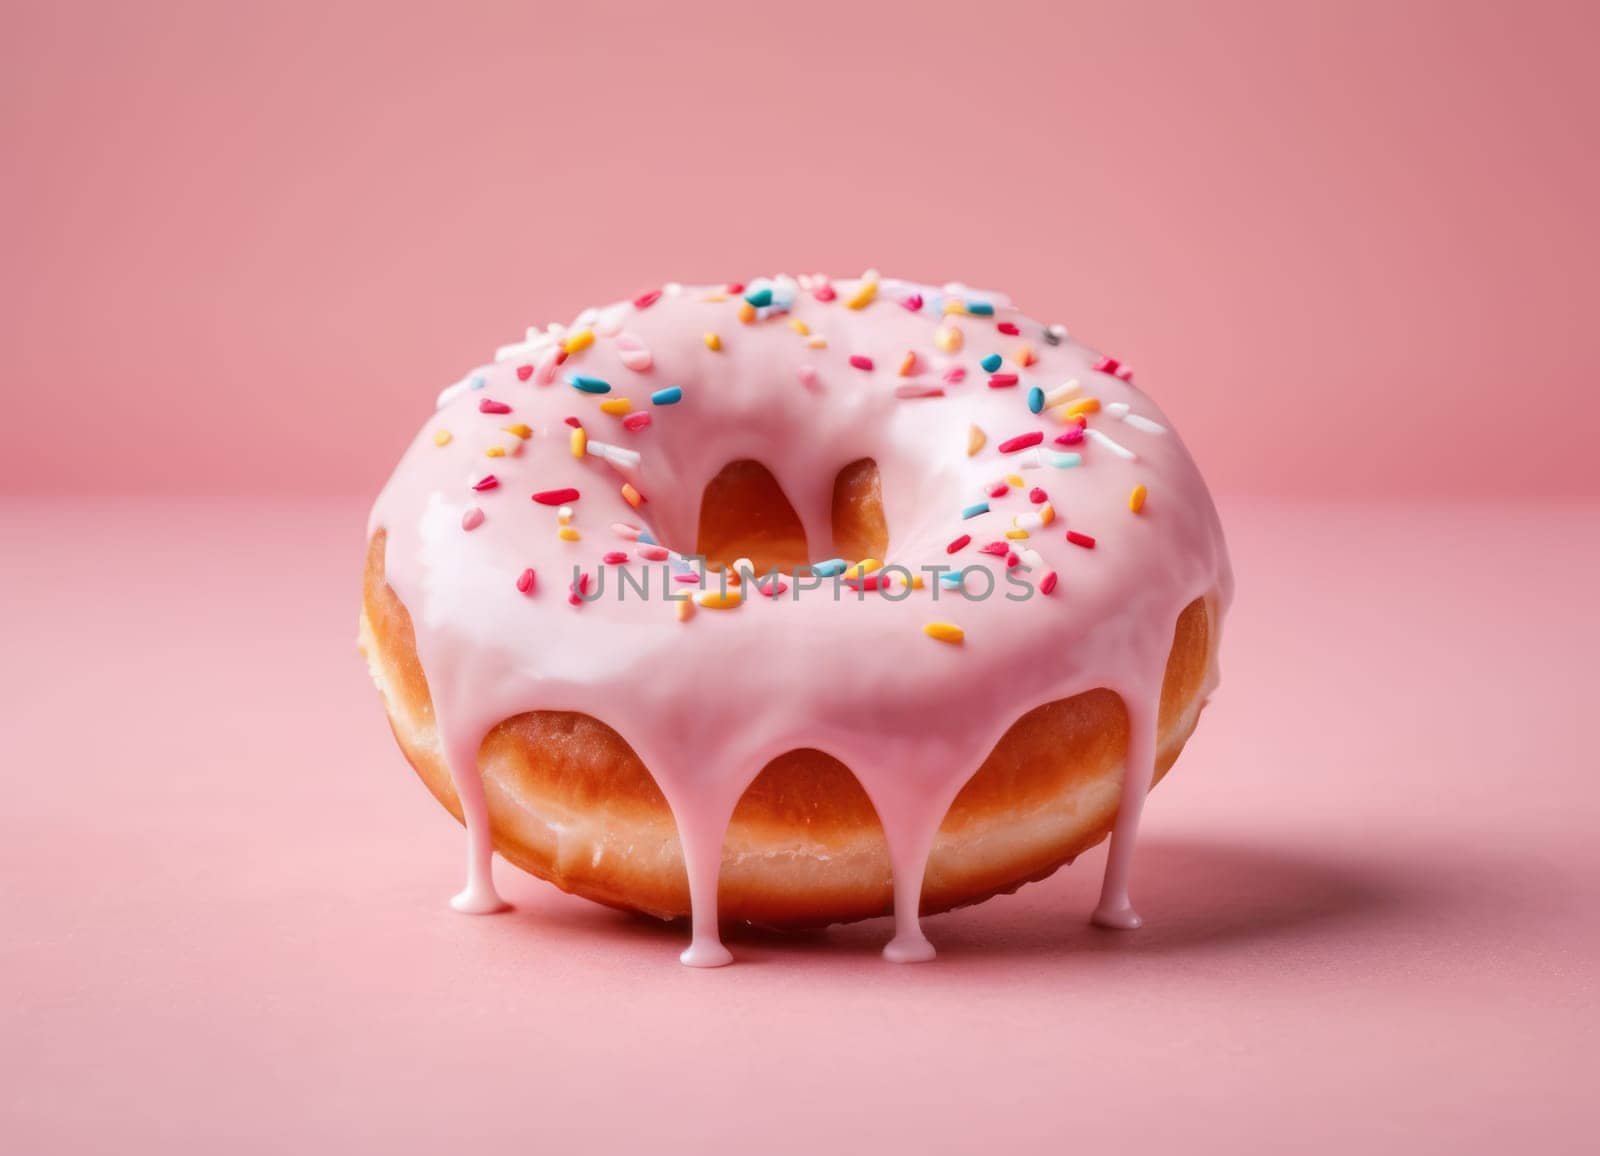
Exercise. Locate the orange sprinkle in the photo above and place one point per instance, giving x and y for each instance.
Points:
(948, 338)
(634, 497)
(568, 534)
(908, 364)
(1082, 405)
(495, 452)
(519, 430)
(747, 312)
(1025, 355)
(1136, 499)
(713, 342)
(685, 610)
(976, 440)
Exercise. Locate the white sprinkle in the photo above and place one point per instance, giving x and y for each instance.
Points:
(616, 455)
(1117, 409)
(1063, 392)
(563, 512)
(1145, 424)
(1117, 448)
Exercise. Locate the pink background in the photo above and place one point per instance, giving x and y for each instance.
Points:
(1338, 240)
(1349, 247)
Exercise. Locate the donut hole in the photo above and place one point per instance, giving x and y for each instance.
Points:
(744, 513)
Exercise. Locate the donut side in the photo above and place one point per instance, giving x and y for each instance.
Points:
(571, 803)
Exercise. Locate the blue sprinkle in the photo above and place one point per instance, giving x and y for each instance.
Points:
(974, 510)
(646, 538)
(1065, 461)
(990, 363)
(829, 568)
(952, 579)
(980, 308)
(589, 384)
(1035, 400)
(760, 298)
(672, 395)
(478, 381)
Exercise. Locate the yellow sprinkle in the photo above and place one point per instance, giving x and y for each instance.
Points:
(1082, 405)
(715, 298)
(863, 295)
(519, 430)
(720, 599)
(799, 327)
(635, 499)
(944, 632)
(1016, 535)
(713, 342)
(864, 567)
(1014, 480)
(948, 338)
(1025, 355)
(495, 452)
(616, 406)
(817, 342)
(568, 534)
(580, 442)
(747, 312)
(1047, 514)
(685, 610)
(916, 582)
(908, 364)
(441, 437)
(976, 439)
(1136, 499)
(951, 305)
(579, 341)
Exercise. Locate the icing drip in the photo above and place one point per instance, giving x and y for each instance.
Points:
(990, 434)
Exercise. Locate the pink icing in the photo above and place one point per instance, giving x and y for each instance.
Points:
(706, 703)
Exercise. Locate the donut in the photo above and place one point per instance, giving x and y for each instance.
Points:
(793, 602)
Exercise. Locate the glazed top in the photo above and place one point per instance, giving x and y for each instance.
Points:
(1002, 445)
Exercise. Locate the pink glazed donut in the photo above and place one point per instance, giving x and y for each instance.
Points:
(794, 602)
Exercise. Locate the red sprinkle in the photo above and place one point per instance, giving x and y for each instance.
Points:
(1048, 584)
(913, 302)
(645, 300)
(1002, 380)
(995, 549)
(960, 543)
(1009, 328)
(579, 589)
(614, 558)
(524, 372)
(956, 374)
(635, 422)
(824, 293)
(1071, 438)
(772, 587)
(1001, 489)
(525, 581)
(860, 362)
(489, 405)
(1021, 442)
(487, 482)
(1114, 367)
(556, 497)
(650, 552)
(1078, 539)
(573, 422)
(1012, 560)
(735, 287)
(1036, 496)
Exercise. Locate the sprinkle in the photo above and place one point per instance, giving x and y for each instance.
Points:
(1081, 406)
(960, 543)
(944, 632)
(864, 567)
(567, 534)
(1047, 514)
(865, 292)
(441, 437)
(1071, 437)
(951, 305)
(1065, 461)
(1025, 355)
(572, 421)
(816, 343)
(1037, 495)
(520, 430)
(975, 440)
(1136, 498)
(913, 390)
(1055, 334)
(829, 568)
(495, 452)
(685, 610)
(713, 342)
(650, 552)
(747, 312)
(807, 375)
(1145, 424)
(759, 298)
(980, 308)
(974, 510)
(614, 558)
(1078, 539)
(633, 354)
(524, 372)
(635, 422)
(472, 519)
(1047, 584)
(546, 373)
(991, 362)
(526, 581)
(1063, 392)
(908, 364)
(672, 395)
(489, 405)
(1017, 534)
(913, 302)
(1014, 480)
(772, 587)
(824, 293)
(564, 514)
(999, 489)
(994, 549)
(1114, 367)
(1036, 400)
(1002, 380)
(951, 580)
(580, 442)
(486, 483)
(799, 327)
(859, 361)
(588, 384)
(720, 599)
(1117, 448)
(645, 300)
(556, 497)
(1021, 442)
(623, 530)
(947, 338)
(956, 374)
(579, 341)
(616, 455)
(578, 589)
(616, 406)
(633, 496)
(1009, 328)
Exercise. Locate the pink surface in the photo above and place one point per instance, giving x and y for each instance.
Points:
(1336, 240)
(1371, 886)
